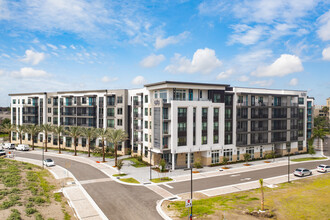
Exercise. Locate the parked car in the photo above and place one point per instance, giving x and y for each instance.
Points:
(9, 146)
(323, 168)
(1, 146)
(23, 147)
(49, 162)
(302, 172)
(2, 153)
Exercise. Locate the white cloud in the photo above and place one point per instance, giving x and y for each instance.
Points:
(52, 46)
(4, 10)
(293, 82)
(243, 78)
(139, 80)
(106, 79)
(72, 46)
(225, 75)
(284, 65)
(326, 54)
(33, 57)
(324, 30)
(2, 72)
(28, 72)
(63, 46)
(152, 60)
(204, 61)
(246, 35)
(5, 55)
(264, 83)
(163, 42)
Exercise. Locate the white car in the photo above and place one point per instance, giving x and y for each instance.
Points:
(302, 172)
(2, 153)
(49, 162)
(323, 168)
(23, 147)
(9, 146)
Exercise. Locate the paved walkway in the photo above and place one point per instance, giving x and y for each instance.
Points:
(83, 205)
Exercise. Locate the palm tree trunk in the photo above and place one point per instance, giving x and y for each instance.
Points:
(75, 146)
(103, 149)
(59, 144)
(46, 137)
(10, 136)
(89, 147)
(262, 199)
(20, 138)
(32, 143)
(116, 147)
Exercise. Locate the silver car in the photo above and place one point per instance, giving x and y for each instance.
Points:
(302, 172)
(323, 168)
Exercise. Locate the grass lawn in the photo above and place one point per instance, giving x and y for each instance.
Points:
(122, 174)
(137, 163)
(161, 180)
(303, 199)
(129, 180)
(308, 158)
(3, 135)
(27, 192)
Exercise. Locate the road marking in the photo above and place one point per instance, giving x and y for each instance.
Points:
(171, 187)
(245, 179)
(95, 181)
(235, 175)
(160, 191)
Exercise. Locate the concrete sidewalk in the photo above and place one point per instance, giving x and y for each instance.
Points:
(83, 205)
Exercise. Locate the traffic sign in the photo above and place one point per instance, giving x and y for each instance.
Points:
(188, 203)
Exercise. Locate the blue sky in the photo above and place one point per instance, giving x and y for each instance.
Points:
(54, 45)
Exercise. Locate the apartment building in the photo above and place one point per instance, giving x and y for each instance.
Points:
(310, 118)
(180, 122)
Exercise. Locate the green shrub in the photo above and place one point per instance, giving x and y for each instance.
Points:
(39, 200)
(162, 165)
(7, 204)
(57, 197)
(15, 215)
(30, 211)
(39, 217)
(15, 191)
(29, 205)
(198, 163)
(14, 198)
(67, 216)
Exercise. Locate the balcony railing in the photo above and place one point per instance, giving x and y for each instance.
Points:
(259, 141)
(241, 142)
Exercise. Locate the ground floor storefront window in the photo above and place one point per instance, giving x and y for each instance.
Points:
(215, 156)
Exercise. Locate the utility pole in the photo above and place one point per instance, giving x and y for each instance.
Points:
(289, 150)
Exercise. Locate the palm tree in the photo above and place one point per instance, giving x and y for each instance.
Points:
(318, 133)
(103, 134)
(75, 132)
(59, 130)
(117, 136)
(46, 128)
(89, 133)
(8, 128)
(261, 181)
(325, 109)
(33, 130)
(20, 130)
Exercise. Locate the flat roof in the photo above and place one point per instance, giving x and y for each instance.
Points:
(271, 89)
(187, 83)
(36, 93)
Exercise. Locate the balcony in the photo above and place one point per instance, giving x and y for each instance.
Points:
(279, 115)
(241, 129)
(259, 116)
(259, 141)
(69, 113)
(278, 139)
(165, 146)
(137, 115)
(137, 139)
(241, 142)
(240, 104)
(259, 128)
(259, 104)
(137, 127)
(137, 103)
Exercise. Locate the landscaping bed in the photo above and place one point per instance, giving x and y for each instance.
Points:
(27, 192)
(302, 199)
(161, 180)
(129, 180)
(308, 158)
(137, 162)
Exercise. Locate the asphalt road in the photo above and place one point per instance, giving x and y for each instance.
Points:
(117, 201)
(218, 181)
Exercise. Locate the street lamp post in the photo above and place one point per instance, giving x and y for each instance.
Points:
(191, 190)
(43, 154)
(150, 163)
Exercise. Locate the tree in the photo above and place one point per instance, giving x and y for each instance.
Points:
(318, 133)
(33, 130)
(311, 150)
(59, 130)
(89, 133)
(5, 121)
(75, 132)
(20, 130)
(8, 128)
(162, 165)
(46, 128)
(261, 181)
(120, 165)
(246, 157)
(325, 109)
(117, 136)
(103, 134)
(225, 161)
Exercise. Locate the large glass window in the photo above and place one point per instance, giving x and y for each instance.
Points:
(163, 95)
(180, 94)
(215, 156)
(204, 139)
(182, 126)
(250, 150)
(228, 153)
(111, 123)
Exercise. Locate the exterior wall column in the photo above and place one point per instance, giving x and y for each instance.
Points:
(189, 159)
(173, 161)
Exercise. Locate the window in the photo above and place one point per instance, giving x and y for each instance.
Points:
(119, 99)
(146, 98)
(150, 125)
(49, 119)
(119, 111)
(180, 94)
(146, 137)
(250, 150)
(200, 94)
(119, 122)
(83, 142)
(238, 155)
(228, 113)
(300, 145)
(204, 126)
(191, 158)
(49, 110)
(49, 101)
(150, 109)
(182, 126)
(228, 138)
(204, 139)
(215, 156)
(111, 123)
(49, 138)
(146, 124)
(182, 141)
(111, 112)
(145, 151)
(23, 101)
(150, 138)
(228, 153)
(163, 95)
(215, 139)
(300, 101)
(182, 112)
(216, 112)
(17, 101)
(146, 111)
(29, 101)
(204, 112)
(14, 101)
(216, 126)
(240, 99)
